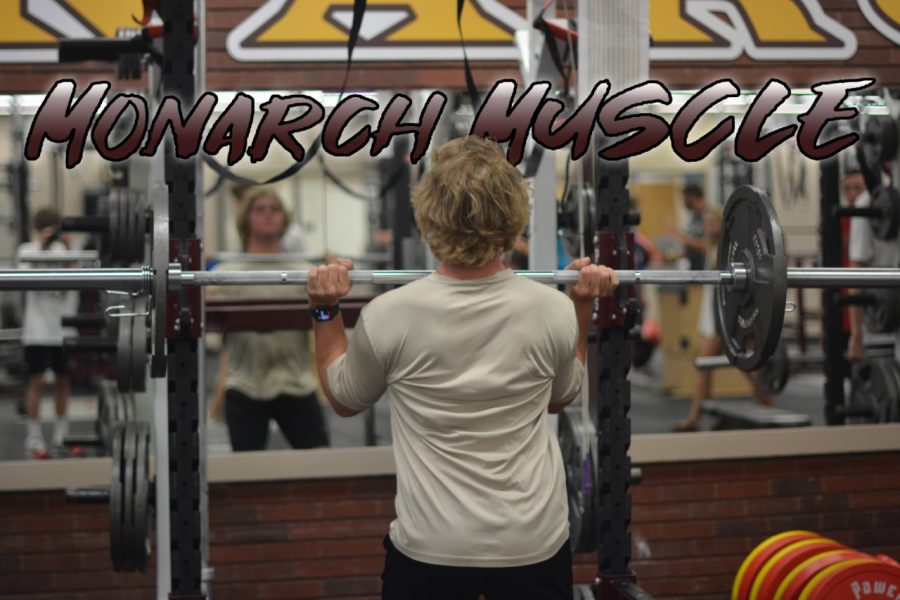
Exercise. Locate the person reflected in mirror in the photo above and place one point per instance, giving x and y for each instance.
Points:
(42, 339)
(472, 358)
(710, 342)
(692, 237)
(864, 250)
(266, 376)
(294, 238)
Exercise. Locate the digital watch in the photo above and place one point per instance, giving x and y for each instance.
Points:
(325, 313)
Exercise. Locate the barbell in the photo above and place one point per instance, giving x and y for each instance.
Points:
(752, 279)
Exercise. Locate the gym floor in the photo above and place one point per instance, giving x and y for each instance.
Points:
(650, 412)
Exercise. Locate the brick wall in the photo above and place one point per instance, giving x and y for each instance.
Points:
(322, 539)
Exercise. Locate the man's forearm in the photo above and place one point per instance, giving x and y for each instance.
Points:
(331, 343)
(583, 312)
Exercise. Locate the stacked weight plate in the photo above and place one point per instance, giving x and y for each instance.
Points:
(800, 565)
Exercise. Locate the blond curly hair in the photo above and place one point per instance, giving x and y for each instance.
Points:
(472, 204)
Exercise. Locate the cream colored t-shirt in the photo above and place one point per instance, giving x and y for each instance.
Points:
(470, 367)
(266, 365)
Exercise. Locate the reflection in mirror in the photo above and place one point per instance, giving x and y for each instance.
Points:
(680, 380)
(358, 208)
(262, 388)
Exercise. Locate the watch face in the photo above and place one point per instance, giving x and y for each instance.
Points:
(323, 313)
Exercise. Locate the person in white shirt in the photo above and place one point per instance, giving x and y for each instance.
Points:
(42, 336)
(471, 358)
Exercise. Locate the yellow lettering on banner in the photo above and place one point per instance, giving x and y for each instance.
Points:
(724, 30)
(106, 16)
(884, 16)
(668, 24)
(16, 29)
(890, 9)
(779, 21)
(308, 22)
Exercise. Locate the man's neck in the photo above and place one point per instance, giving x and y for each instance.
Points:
(465, 272)
(257, 246)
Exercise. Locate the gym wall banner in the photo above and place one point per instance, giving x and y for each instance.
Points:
(407, 44)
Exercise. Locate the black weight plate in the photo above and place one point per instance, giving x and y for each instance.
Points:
(749, 320)
(123, 241)
(891, 390)
(773, 376)
(141, 504)
(115, 225)
(579, 472)
(137, 241)
(139, 348)
(116, 501)
(127, 248)
(103, 238)
(145, 501)
(124, 228)
(569, 444)
(123, 355)
(892, 404)
(114, 409)
(887, 200)
(884, 315)
(112, 207)
(130, 544)
(104, 418)
(140, 226)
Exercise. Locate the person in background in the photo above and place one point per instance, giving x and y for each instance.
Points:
(710, 342)
(472, 358)
(863, 250)
(42, 337)
(692, 237)
(266, 376)
(293, 240)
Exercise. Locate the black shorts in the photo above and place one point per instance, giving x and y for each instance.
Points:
(407, 579)
(300, 419)
(39, 358)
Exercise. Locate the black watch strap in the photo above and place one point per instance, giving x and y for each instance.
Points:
(324, 312)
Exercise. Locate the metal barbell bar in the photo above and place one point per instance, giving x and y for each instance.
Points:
(140, 279)
(752, 279)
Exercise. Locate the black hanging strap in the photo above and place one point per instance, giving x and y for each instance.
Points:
(470, 81)
(391, 182)
(359, 10)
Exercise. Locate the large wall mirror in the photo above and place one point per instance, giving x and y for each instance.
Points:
(358, 207)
